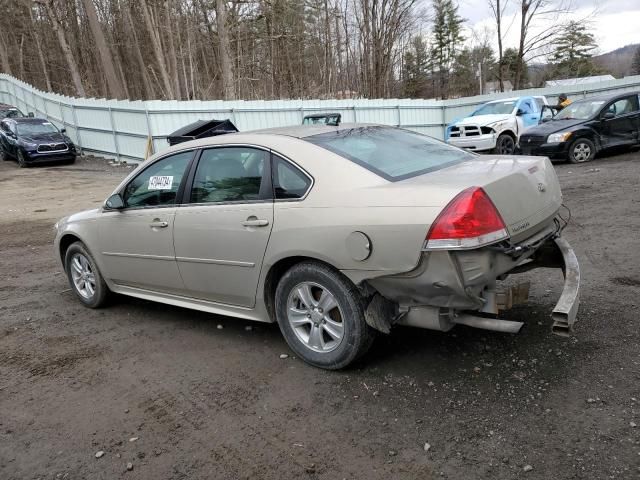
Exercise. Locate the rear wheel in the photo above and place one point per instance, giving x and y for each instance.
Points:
(22, 162)
(84, 277)
(505, 145)
(321, 316)
(582, 150)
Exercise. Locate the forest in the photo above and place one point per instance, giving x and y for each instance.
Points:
(281, 49)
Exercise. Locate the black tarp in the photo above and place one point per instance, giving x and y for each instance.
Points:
(201, 129)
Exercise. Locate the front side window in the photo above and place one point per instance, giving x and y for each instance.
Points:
(623, 106)
(230, 174)
(288, 181)
(158, 185)
(392, 153)
(526, 107)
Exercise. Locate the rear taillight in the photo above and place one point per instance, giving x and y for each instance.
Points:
(470, 220)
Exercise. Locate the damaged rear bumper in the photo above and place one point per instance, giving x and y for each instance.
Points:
(450, 287)
(564, 314)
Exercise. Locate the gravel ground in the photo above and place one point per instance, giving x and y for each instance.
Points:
(165, 393)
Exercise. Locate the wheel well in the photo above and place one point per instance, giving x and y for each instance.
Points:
(508, 132)
(65, 243)
(274, 275)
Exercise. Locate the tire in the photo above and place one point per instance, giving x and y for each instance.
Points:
(331, 338)
(81, 268)
(505, 145)
(22, 163)
(582, 150)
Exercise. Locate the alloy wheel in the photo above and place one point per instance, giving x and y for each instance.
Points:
(581, 152)
(506, 146)
(83, 277)
(315, 317)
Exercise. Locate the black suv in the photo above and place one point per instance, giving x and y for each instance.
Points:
(9, 111)
(33, 140)
(585, 127)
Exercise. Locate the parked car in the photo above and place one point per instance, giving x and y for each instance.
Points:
(9, 111)
(332, 119)
(584, 128)
(334, 232)
(34, 140)
(496, 126)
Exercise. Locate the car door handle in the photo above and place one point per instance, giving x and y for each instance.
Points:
(255, 222)
(158, 224)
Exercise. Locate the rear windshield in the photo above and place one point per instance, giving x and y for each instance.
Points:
(392, 153)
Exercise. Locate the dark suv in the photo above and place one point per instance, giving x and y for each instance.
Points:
(34, 140)
(585, 127)
(9, 111)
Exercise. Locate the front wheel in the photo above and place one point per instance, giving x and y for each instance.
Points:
(84, 277)
(582, 150)
(22, 162)
(321, 316)
(505, 145)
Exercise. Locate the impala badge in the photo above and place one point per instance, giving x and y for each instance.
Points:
(541, 187)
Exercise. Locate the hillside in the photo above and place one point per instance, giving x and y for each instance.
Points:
(618, 61)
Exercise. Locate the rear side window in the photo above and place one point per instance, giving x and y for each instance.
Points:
(288, 181)
(391, 153)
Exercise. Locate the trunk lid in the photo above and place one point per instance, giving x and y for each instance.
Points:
(525, 190)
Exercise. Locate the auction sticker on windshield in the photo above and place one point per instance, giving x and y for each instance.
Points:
(160, 182)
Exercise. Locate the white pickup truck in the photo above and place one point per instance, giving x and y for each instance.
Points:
(496, 126)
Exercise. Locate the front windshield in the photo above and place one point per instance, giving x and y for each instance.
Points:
(495, 108)
(36, 128)
(582, 110)
(392, 153)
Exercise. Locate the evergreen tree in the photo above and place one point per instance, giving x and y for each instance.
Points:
(510, 60)
(447, 40)
(635, 63)
(415, 70)
(573, 51)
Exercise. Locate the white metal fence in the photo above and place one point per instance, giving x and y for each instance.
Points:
(120, 128)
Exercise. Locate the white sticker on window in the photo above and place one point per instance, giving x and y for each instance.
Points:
(161, 182)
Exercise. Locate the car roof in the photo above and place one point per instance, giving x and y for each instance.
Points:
(608, 97)
(30, 120)
(303, 131)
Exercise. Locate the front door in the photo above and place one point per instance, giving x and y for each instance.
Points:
(221, 235)
(622, 128)
(136, 243)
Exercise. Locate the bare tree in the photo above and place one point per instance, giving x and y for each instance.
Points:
(64, 46)
(498, 8)
(116, 88)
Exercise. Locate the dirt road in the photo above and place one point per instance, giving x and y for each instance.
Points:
(168, 391)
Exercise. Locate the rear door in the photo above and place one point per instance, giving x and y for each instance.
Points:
(622, 129)
(221, 233)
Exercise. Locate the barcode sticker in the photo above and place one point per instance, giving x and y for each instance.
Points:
(160, 182)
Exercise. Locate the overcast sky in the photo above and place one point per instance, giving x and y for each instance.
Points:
(615, 23)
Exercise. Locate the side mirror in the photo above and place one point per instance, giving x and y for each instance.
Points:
(114, 202)
(519, 112)
(64, 130)
(30, 115)
(608, 116)
(545, 120)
